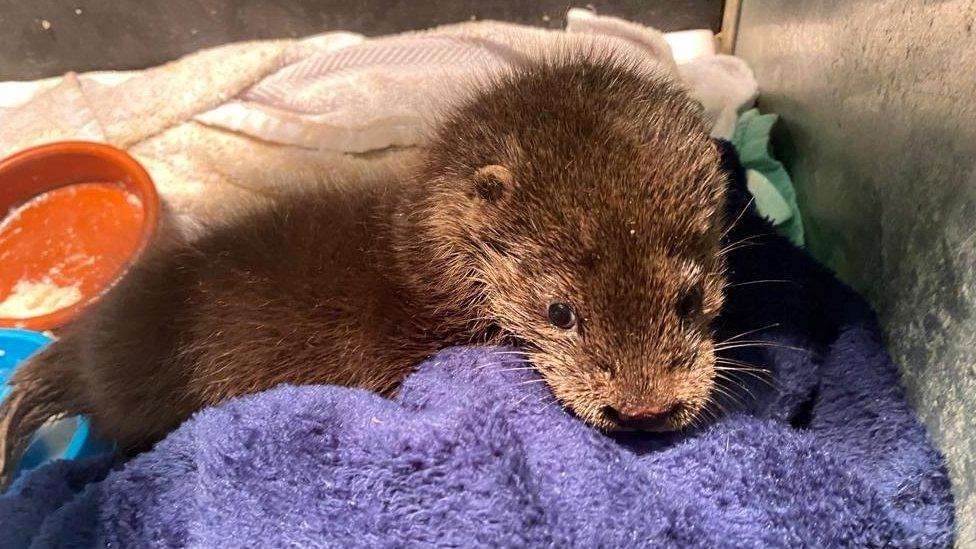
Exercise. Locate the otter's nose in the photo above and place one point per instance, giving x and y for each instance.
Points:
(643, 418)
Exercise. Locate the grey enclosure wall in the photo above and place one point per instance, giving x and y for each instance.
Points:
(878, 100)
(41, 38)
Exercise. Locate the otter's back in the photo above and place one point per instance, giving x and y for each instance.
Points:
(275, 296)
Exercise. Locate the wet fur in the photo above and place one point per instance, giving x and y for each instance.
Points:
(586, 180)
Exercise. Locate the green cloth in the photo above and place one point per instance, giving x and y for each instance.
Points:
(766, 177)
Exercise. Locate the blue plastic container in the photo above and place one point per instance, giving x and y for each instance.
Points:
(68, 438)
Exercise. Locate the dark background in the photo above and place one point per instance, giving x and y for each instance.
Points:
(85, 35)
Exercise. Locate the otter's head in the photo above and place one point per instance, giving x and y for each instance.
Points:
(576, 208)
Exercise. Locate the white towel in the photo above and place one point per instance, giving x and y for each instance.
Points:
(242, 121)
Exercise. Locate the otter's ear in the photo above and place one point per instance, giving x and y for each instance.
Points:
(493, 183)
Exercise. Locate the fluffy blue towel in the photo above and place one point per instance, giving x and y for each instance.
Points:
(470, 454)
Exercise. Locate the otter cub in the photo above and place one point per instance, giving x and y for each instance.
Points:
(572, 207)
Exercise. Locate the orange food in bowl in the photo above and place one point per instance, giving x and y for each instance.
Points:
(76, 214)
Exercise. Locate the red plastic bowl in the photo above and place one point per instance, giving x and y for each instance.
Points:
(95, 218)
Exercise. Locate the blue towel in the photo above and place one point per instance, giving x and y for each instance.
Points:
(826, 454)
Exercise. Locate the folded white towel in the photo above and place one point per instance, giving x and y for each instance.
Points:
(380, 93)
(241, 121)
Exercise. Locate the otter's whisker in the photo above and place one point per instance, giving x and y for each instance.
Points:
(554, 403)
(752, 371)
(730, 249)
(700, 413)
(740, 384)
(531, 381)
(483, 368)
(738, 217)
(521, 400)
(707, 416)
(729, 395)
(712, 414)
(516, 369)
(760, 374)
(772, 344)
(749, 240)
(764, 281)
(740, 369)
(743, 334)
(765, 341)
(772, 382)
(493, 369)
(737, 362)
(717, 405)
(699, 420)
(740, 366)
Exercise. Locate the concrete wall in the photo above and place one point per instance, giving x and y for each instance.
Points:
(878, 100)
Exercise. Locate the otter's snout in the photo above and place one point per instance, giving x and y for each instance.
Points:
(641, 417)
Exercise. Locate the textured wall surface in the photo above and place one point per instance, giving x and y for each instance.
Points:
(41, 38)
(878, 102)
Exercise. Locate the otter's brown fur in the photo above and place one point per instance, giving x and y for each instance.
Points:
(584, 181)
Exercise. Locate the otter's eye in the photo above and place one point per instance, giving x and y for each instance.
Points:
(690, 304)
(562, 315)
